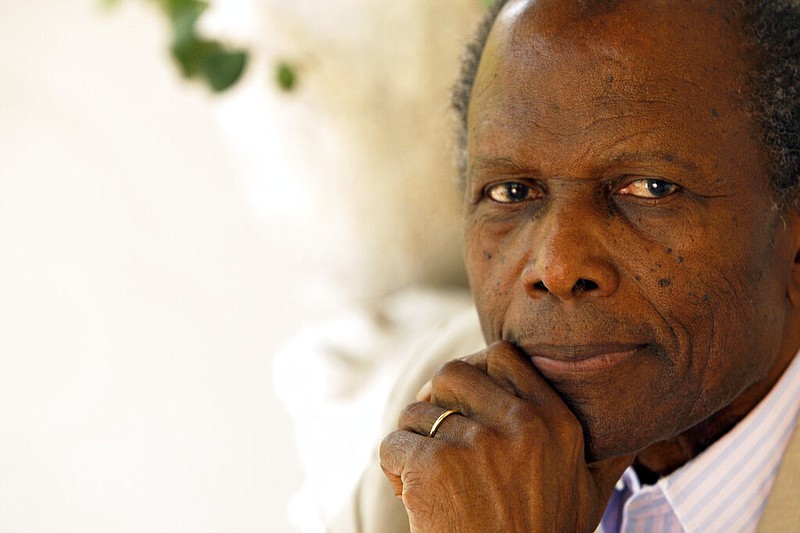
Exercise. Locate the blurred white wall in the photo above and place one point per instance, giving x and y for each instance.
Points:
(158, 245)
(140, 299)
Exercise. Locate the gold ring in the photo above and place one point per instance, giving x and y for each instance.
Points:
(439, 421)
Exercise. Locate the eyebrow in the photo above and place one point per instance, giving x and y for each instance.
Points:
(510, 165)
(506, 164)
(665, 157)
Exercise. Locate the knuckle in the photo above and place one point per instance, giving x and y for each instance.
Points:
(414, 491)
(447, 373)
(478, 437)
(501, 349)
(478, 358)
(420, 476)
(520, 412)
(503, 359)
(497, 364)
(410, 412)
(449, 367)
(523, 421)
(388, 451)
(485, 358)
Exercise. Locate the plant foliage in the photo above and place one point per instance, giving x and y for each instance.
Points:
(216, 64)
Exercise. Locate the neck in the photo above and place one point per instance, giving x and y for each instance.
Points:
(663, 458)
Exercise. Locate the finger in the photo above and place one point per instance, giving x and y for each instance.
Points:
(464, 387)
(515, 372)
(424, 394)
(403, 455)
(420, 418)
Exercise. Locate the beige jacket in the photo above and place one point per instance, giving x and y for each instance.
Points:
(374, 508)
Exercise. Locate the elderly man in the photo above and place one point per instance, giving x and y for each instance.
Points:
(633, 245)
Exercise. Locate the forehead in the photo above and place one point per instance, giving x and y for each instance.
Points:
(692, 24)
(671, 72)
(700, 42)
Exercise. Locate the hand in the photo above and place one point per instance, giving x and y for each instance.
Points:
(512, 460)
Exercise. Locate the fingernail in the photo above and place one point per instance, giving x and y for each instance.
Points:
(424, 394)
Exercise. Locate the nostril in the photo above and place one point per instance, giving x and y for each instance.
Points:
(584, 285)
(539, 286)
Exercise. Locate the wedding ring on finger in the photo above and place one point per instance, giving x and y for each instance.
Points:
(439, 421)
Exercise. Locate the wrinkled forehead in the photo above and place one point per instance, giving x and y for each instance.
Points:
(567, 87)
(684, 49)
(680, 34)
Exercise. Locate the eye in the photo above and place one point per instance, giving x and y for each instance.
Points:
(510, 192)
(650, 188)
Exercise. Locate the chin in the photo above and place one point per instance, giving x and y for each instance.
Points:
(606, 438)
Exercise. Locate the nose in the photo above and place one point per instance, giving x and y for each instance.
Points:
(569, 259)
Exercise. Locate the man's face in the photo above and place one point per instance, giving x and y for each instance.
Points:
(619, 222)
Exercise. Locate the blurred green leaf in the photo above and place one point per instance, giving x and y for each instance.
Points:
(184, 15)
(190, 53)
(286, 76)
(219, 66)
(213, 62)
(224, 68)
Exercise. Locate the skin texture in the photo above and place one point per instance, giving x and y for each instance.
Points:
(636, 286)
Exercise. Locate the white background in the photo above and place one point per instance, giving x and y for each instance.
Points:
(148, 272)
(159, 244)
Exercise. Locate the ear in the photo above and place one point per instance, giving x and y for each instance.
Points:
(792, 219)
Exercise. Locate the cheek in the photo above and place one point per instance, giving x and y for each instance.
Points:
(712, 297)
(491, 272)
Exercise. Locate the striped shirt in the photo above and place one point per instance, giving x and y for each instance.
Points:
(725, 488)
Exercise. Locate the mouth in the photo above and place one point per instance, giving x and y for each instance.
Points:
(565, 359)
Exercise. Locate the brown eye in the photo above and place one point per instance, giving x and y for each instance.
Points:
(509, 192)
(650, 188)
